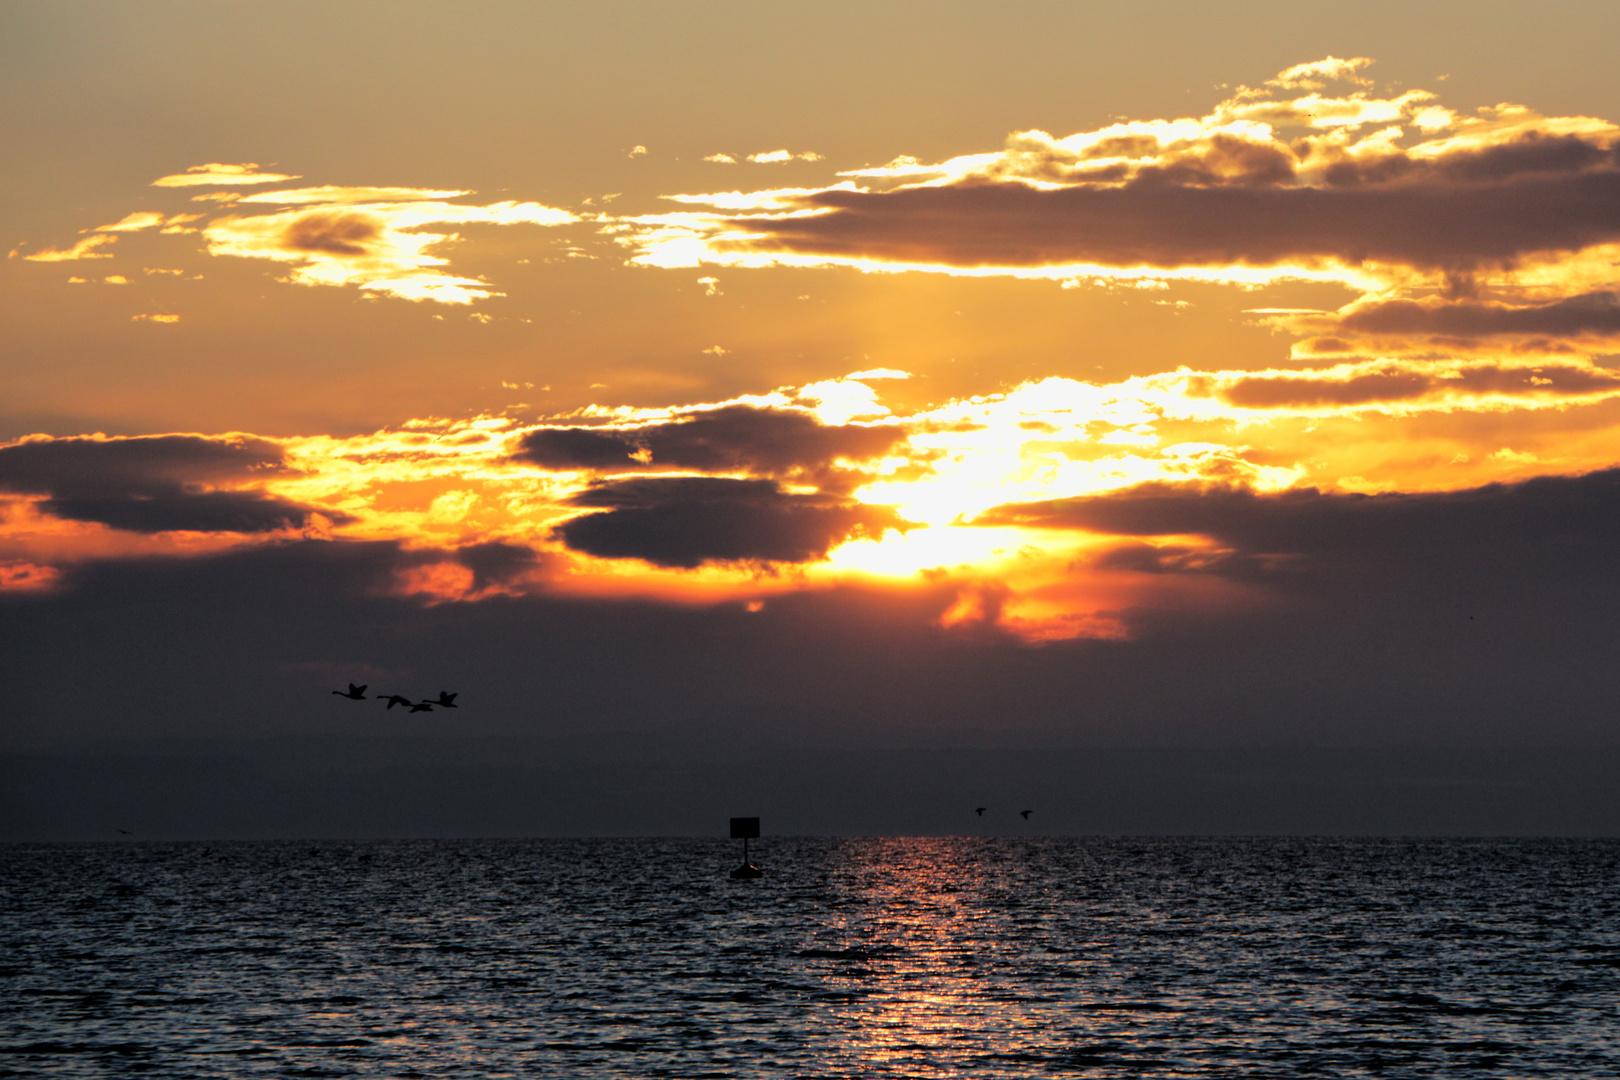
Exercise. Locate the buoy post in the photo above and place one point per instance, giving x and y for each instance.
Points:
(745, 829)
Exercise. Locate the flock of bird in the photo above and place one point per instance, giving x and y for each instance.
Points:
(981, 809)
(445, 700)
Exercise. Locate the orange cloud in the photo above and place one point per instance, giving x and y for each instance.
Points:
(19, 576)
(217, 175)
(84, 249)
(1390, 195)
(334, 195)
(380, 247)
(141, 219)
(1029, 504)
(379, 239)
(778, 157)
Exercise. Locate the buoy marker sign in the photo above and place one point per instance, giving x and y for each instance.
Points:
(745, 829)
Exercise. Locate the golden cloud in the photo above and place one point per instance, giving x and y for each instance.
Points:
(1395, 196)
(141, 219)
(812, 486)
(380, 239)
(334, 195)
(216, 175)
(778, 157)
(380, 247)
(84, 249)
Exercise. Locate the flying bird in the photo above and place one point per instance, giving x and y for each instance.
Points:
(1025, 814)
(446, 700)
(395, 699)
(424, 706)
(356, 693)
(980, 811)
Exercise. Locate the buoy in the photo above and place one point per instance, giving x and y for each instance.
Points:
(745, 829)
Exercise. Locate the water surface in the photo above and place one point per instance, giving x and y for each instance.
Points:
(872, 958)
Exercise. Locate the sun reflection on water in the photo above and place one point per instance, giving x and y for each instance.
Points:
(989, 956)
(952, 956)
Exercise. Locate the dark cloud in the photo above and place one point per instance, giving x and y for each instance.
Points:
(687, 521)
(1393, 384)
(1431, 223)
(578, 448)
(335, 233)
(85, 468)
(495, 563)
(772, 442)
(153, 483)
(1163, 559)
(1596, 313)
(1529, 522)
(205, 511)
(1532, 152)
(1398, 383)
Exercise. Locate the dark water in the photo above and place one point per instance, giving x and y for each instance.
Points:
(852, 958)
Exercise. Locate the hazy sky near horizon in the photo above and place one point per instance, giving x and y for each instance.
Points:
(1028, 373)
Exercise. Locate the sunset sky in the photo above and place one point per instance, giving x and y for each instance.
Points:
(790, 386)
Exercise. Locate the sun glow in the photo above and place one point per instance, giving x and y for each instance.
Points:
(1476, 350)
(855, 489)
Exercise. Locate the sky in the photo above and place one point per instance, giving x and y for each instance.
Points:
(1190, 418)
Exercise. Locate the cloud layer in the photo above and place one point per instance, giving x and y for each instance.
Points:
(1367, 185)
(687, 521)
(155, 484)
(770, 442)
(1501, 224)
(1476, 349)
(1056, 509)
(382, 240)
(1304, 533)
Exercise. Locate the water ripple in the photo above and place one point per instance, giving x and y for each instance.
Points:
(876, 958)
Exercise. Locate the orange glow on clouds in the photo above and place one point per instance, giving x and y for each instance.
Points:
(379, 246)
(438, 486)
(1393, 197)
(19, 576)
(1478, 347)
(217, 175)
(375, 238)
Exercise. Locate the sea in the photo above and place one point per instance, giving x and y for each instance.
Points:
(882, 957)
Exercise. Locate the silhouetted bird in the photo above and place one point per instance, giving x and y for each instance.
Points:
(423, 706)
(447, 700)
(395, 699)
(980, 811)
(356, 693)
(1025, 814)
(125, 832)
